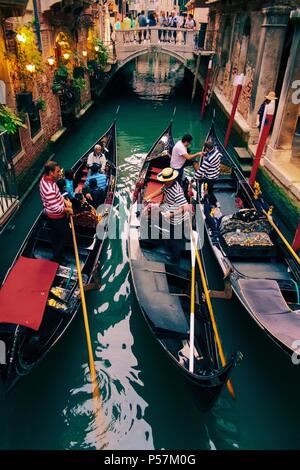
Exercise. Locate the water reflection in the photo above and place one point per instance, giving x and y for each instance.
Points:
(155, 77)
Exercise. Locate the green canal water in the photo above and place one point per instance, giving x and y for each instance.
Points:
(146, 403)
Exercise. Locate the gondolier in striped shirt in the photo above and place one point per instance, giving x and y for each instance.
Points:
(174, 202)
(209, 170)
(174, 209)
(56, 209)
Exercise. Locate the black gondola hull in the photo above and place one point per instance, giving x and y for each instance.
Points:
(26, 348)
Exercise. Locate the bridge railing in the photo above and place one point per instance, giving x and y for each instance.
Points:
(199, 38)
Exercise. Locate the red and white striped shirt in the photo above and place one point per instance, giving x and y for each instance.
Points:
(53, 201)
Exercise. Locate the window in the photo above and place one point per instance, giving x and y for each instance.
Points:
(12, 144)
(34, 119)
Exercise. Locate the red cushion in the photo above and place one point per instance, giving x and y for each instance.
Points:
(151, 187)
(156, 170)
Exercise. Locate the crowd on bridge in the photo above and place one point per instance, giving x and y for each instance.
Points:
(164, 20)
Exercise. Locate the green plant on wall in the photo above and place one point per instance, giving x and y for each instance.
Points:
(9, 121)
(60, 79)
(78, 84)
(27, 55)
(41, 104)
(99, 51)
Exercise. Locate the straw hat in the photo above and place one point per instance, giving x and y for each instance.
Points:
(167, 174)
(271, 96)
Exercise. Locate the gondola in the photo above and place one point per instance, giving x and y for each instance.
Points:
(163, 286)
(39, 298)
(262, 271)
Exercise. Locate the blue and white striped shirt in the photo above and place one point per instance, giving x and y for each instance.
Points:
(210, 167)
(173, 197)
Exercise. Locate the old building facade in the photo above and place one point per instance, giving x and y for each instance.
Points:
(262, 40)
(41, 40)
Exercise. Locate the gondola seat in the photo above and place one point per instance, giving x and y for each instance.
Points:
(166, 312)
(271, 310)
(252, 244)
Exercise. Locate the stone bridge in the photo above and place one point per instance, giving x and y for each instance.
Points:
(179, 43)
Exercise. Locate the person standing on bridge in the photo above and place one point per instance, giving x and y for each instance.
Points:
(142, 20)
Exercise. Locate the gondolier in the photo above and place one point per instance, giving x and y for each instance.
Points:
(174, 208)
(180, 156)
(209, 170)
(174, 202)
(56, 209)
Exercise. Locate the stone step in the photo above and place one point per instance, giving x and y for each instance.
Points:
(243, 155)
(246, 168)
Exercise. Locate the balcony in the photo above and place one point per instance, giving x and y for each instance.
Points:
(64, 4)
(9, 8)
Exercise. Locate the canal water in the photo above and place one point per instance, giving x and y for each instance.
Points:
(146, 404)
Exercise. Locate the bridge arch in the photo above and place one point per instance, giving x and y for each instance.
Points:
(146, 50)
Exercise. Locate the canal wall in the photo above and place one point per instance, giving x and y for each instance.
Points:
(30, 175)
(286, 205)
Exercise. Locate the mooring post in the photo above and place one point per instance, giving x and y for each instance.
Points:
(196, 77)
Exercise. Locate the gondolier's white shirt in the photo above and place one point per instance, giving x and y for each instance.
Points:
(177, 159)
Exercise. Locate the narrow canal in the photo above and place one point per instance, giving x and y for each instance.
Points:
(146, 403)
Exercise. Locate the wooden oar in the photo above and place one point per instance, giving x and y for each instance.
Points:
(211, 313)
(291, 250)
(96, 392)
(192, 315)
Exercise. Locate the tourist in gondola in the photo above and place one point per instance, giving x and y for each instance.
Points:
(97, 157)
(98, 176)
(181, 157)
(209, 170)
(56, 209)
(69, 178)
(95, 195)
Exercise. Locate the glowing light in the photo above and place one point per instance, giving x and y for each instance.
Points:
(96, 48)
(21, 38)
(84, 53)
(66, 56)
(30, 68)
(51, 61)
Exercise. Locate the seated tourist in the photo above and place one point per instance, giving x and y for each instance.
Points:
(69, 178)
(98, 157)
(95, 195)
(62, 185)
(99, 177)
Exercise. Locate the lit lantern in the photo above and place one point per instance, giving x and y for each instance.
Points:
(30, 68)
(21, 38)
(96, 48)
(51, 61)
(84, 53)
(66, 56)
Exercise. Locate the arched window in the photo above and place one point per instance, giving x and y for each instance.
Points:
(62, 46)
